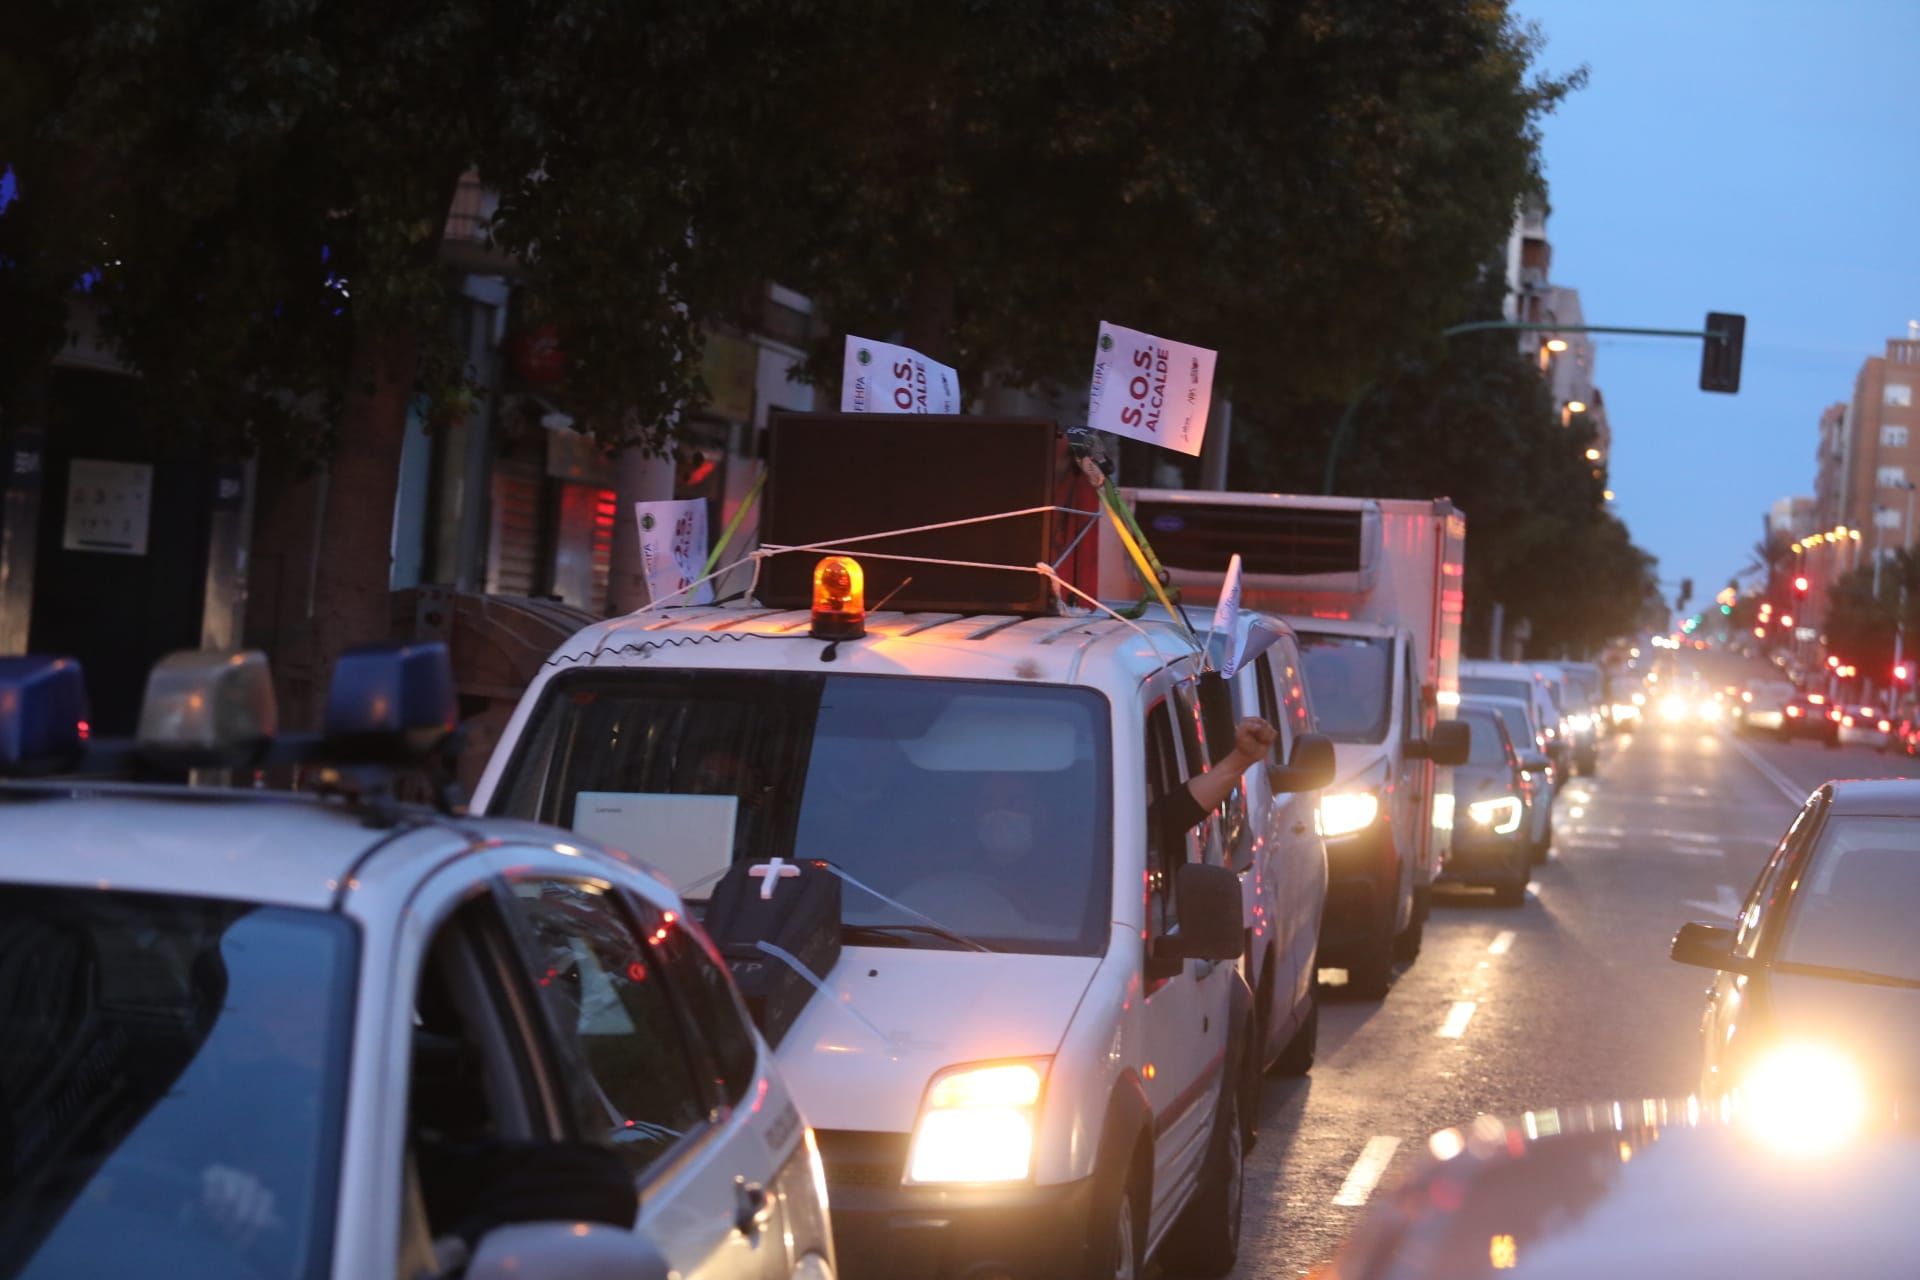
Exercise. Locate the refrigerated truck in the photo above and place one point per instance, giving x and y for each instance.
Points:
(1374, 587)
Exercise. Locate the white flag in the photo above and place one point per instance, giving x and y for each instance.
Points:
(1260, 638)
(880, 377)
(1227, 612)
(1151, 389)
(673, 549)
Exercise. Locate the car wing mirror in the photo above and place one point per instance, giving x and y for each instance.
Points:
(1708, 946)
(1534, 762)
(1311, 766)
(1450, 742)
(566, 1251)
(1212, 916)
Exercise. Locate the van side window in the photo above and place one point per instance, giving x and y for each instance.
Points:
(1209, 841)
(1268, 691)
(1293, 686)
(1163, 775)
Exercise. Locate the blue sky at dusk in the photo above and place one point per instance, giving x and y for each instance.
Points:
(1759, 157)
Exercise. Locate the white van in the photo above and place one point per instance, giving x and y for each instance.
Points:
(1025, 1060)
(1272, 840)
(1382, 577)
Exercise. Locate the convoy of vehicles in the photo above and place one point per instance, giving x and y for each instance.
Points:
(999, 1013)
(1373, 589)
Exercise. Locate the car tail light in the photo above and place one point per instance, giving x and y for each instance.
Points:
(1793, 711)
(1884, 726)
(1847, 721)
(1834, 714)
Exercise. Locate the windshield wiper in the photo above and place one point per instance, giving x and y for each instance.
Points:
(898, 931)
(1864, 977)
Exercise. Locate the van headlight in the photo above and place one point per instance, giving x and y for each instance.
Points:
(977, 1124)
(1342, 813)
(1502, 813)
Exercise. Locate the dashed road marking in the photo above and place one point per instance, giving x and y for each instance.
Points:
(1366, 1171)
(1457, 1019)
(1502, 943)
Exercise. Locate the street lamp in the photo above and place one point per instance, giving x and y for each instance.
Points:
(1593, 455)
(1556, 345)
(1576, 406)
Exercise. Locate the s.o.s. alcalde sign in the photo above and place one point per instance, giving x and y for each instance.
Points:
(881, 377)
(1151, 389)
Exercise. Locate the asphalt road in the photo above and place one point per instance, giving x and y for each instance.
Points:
(1568, 999)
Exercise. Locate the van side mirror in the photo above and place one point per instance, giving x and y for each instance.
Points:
(1212, 917)
(1709, 946)
(566, 1251)
(1449, 744)
(1534, 762)
(1309, 768)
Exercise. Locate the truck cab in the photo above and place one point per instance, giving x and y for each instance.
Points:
(1027, 1058)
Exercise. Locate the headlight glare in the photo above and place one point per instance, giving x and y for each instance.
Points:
(1802, 1099)
(1344, 812)
(977, 1124)
(1502, 814)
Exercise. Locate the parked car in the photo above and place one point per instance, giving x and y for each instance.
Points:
(1490, 837)
(335, 1035)
(1823, 961)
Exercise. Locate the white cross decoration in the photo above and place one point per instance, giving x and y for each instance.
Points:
(770, 871)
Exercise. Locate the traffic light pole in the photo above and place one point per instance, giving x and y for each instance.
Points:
(1342, 431)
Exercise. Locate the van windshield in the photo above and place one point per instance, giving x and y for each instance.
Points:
(984, 807)
(1348, 678)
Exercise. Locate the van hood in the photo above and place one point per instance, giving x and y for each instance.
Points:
(861, 1054)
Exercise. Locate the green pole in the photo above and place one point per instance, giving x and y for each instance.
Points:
(733, 525)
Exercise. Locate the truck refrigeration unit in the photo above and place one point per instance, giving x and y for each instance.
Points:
(1374, 589)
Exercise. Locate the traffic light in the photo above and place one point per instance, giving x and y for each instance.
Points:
(1720, 352)
(1686, 594)
(1900, 673)
(1800, 585)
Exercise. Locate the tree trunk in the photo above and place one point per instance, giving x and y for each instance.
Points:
(352, 576)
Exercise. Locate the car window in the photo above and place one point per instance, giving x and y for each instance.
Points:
(1856, 899)
(986, 805)
(1164, 855)
(1269, 700)
(632, 1081)
(157, 1052)
(712, 1004)
(1489, 745)
(1755, 913)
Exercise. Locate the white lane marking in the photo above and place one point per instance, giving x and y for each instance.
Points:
(1366, 1171)
(1788, 787)
(1457, 1019)
(1699, 850)
(1502, 942)
(1725, 904)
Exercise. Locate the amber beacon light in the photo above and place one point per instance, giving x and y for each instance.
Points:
(839, 599)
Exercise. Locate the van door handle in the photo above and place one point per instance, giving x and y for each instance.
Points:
(752, 1207)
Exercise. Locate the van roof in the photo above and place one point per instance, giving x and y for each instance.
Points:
(1088, 649)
